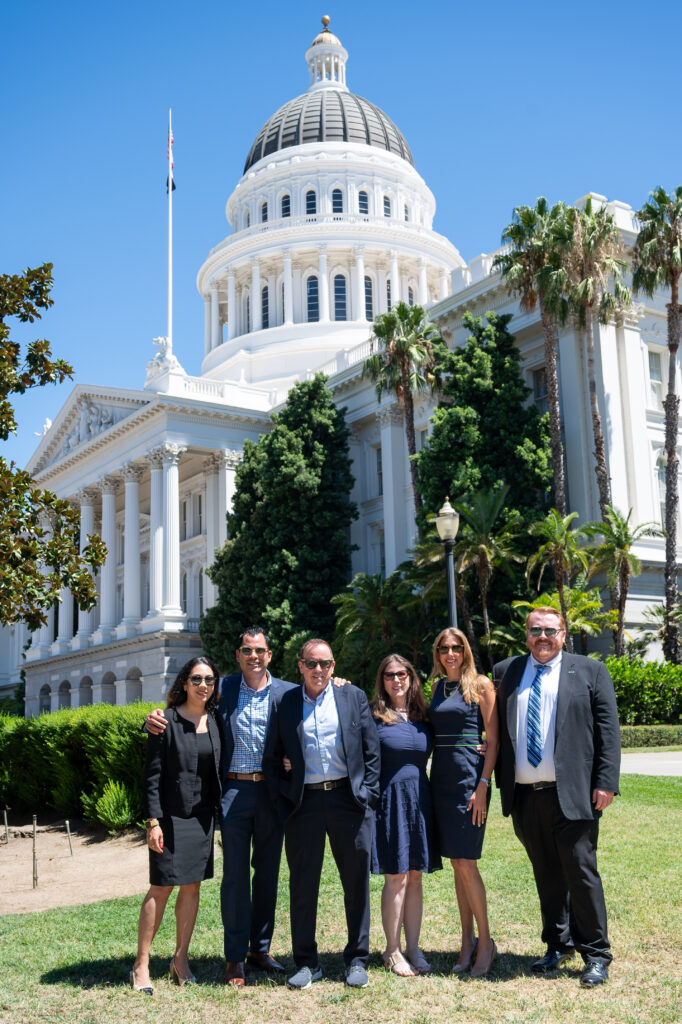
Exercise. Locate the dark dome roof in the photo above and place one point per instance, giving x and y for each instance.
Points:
(328, 115)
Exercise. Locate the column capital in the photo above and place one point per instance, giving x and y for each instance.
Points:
(155, 456)
(108, 485)
(170, 452)
(87, 496)
(229, 458)
(390, 415)
(131, 472)
(209, 464)
(358, 252)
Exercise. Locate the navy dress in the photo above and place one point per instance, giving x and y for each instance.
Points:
(402, 832)
(455, 771)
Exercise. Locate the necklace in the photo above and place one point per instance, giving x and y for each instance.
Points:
(450, 687)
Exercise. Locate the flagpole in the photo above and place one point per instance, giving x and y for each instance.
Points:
(170, 231)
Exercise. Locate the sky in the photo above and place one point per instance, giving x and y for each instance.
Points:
(499, 102)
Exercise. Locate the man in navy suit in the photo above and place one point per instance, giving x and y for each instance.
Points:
(323, 770)
(250, 826)
(557, 770)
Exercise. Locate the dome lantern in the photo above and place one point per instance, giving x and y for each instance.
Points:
(326, 59)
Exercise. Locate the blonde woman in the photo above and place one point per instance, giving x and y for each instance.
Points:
(462, 708)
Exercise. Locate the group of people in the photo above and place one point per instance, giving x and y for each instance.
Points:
(291, 765)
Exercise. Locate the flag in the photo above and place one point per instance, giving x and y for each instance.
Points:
(170, 180)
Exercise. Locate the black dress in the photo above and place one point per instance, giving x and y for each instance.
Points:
(402, 832)
(188, 838)
(455, 771)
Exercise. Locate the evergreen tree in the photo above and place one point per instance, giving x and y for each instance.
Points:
(484, 431)
(288, 550)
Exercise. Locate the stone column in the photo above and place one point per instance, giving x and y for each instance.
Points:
(107, 600)
(272, 300)
(288, 290)
(394, 463)
(121, 686)
(212, 516)
(83, 637)
(231, 307)
(207, 324)
(633, 359)
(215, 317)
(65, 628)
(171, 609)
(227, 461)
(359, 289)
(423, 292)
(323, 285)
(256, 301)
(395, 280)
(130, 624)
(156, 533)
(444, 283)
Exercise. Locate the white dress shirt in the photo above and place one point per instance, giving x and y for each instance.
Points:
(545, 771)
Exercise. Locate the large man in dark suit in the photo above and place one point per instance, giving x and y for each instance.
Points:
(557, 770)
(250, 826)
(323, 770)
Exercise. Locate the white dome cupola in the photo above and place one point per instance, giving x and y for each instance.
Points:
(327, 60)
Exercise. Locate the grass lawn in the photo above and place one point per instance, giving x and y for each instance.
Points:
(72, 965)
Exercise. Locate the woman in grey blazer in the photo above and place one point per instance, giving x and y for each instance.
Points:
(181, 792)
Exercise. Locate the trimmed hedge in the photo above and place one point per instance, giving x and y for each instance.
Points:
(651, 735)
(86, 762)
(648, 692)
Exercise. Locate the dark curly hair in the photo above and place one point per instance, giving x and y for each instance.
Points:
(176, 695)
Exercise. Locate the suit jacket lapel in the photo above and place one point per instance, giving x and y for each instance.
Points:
(566, 673)
(517, 670)
(345, 713)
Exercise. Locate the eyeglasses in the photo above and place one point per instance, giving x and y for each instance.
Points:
(549, 631)
(402, 674)
(198, 680)
(314, 662)
(258, 651)
(455, 648)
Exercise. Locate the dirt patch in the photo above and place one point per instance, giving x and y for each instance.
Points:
(101, 868)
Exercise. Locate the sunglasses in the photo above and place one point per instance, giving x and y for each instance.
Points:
(455, 648)
(402, 674)
(198, 680)
(549, 631)
(247, 651)
(314, 662)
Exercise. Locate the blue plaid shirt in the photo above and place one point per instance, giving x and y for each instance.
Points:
(253, 711)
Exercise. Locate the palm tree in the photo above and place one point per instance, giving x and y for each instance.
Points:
(596, 259)
(585, 608)
(658, 264)
(405, 363)
(487, 544)
(533, 269)
(614, 555)
(561, 550)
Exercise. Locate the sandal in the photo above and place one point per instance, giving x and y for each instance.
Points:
(464, 965)
(397, 964)
(419, 962)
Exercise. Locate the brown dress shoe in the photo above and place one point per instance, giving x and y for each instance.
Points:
(264, 962)
(234, 973)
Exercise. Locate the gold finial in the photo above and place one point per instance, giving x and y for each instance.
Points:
(325, 20)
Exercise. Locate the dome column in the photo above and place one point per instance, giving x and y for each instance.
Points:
(423, 287)
(288, 290)
(395, 279)
(215, 317)
(207, 324)
(324, 285)
(231, 307)
(256, 298)
(359, 286)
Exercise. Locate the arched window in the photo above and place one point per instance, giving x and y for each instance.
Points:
(387, 206)
(286, 206)
(410, 297)
(406, 212)
(369, 299)
(264, 212)
(388, 295)
(265, 301)
(65, 694)
(337, 201)
(310, 202)
(340, 297)
(363, 202)
(313, 299)
(44, 699)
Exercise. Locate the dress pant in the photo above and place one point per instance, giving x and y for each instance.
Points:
(563, 854)
(332, 813)
(247, 906)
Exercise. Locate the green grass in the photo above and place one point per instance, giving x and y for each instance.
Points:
(72, 964)
(650, 750)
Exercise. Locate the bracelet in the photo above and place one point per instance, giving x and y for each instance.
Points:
(483, 779)
(151, 823)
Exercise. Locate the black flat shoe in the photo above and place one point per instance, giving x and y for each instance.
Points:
(595, 973)
(552, 959)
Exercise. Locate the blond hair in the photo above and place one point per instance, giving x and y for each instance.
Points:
(471, 684)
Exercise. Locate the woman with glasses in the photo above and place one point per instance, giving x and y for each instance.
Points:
(462, 708)
(403, 846)
(181, 791)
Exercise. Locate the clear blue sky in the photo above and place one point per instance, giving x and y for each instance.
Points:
(499, 102)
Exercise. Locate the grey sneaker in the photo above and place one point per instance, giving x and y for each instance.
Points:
(356, 976)
(304, 977)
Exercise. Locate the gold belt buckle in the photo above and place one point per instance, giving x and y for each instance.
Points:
(327, 785)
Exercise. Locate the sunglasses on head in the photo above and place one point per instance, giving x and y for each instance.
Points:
(549, 631)
(247, 651)
(314, 662)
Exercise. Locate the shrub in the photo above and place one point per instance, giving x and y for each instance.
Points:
(648, 692)
(116, 808)
(650, 735)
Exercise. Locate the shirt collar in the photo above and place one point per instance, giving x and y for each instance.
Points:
(547, 665)
(245, 684)
(320, 697)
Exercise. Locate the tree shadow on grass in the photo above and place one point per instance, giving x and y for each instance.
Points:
(507, 967)
(103, 973)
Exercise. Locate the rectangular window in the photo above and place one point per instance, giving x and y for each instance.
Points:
(540, 389)
(363, 202)
(387, 206)
(388, 296)
(183, 520)
(380, 471)
(339, 297)
(286, 206)
(265, 307)
(310, 202)
(198, 514)
(369, 299)
(655, 380)
(337, 201)
(313, 299)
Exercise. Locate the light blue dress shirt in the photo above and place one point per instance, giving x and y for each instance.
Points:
(325, 759)
(253, 712)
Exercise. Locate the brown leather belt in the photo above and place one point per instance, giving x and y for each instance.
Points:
(332, 784)
(247, 776)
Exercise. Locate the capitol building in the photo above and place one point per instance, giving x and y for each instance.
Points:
(330, 224)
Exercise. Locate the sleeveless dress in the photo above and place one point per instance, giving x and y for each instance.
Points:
(402, 831)
(455, 771)
(188, 842)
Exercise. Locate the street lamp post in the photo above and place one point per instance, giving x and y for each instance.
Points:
(447, 524)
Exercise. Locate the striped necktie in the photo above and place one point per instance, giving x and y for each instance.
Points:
(533, 731)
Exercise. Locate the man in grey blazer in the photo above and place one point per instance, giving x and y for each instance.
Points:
(557, 770)
(323, 771)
